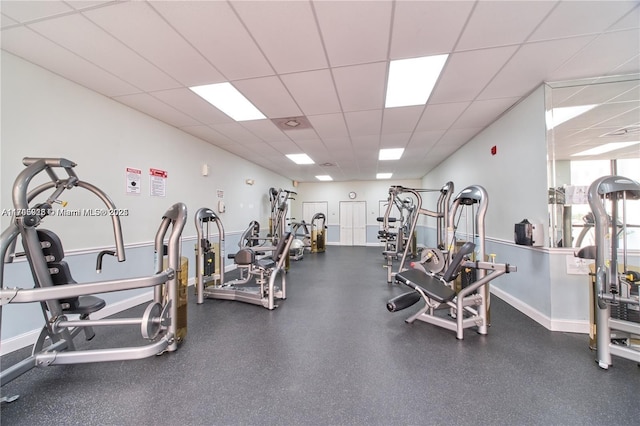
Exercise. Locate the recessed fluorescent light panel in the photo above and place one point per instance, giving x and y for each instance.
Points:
(300, 158)
(613, 146)
(384, 175)
(390, 153)
(227, 99)
(412, 80)
(557, 116)
(324, 177)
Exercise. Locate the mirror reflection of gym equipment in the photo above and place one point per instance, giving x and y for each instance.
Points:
(467, 303)
(615, 304)
(67, 305)
(258, 275)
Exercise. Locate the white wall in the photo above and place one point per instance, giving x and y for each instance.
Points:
(515, 178)
(44, 115)
(372, 192)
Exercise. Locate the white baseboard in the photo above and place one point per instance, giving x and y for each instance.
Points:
(563, 325)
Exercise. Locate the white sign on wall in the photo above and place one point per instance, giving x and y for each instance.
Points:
(157, 182)
(133, 177)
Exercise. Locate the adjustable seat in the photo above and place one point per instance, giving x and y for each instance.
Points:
(61, 275)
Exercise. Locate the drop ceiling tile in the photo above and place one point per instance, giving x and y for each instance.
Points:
(315, 149)
(573, 18)
(263, 150)
(214, 29)
(422, 28)
(151, 106)
(364, 123)
(440, 116)
(35, 48)
(296, 45)
(285, 147)
(354, 32)
(483, 113)
(329, 125)
(629, 67)
(401, 119)
(361, 87)
(26, 11)
(159, 43)
(88, 4)
(207, 134)
(532, 64)
(630, 20)
(337, 143)
(502, 23)
(100, 48)
(265, 130)
(369, 143)
(611, 49)
(467, 73)
(313, 92)
(5, 21)
(270, 96)
(452, 140)
(193, 105)
(394, 140)
(302, 134)
(237, 133)
(425, 138)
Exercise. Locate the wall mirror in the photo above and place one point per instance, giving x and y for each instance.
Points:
(593, 130)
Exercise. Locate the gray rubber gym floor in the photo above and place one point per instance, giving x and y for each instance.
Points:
(331, 354)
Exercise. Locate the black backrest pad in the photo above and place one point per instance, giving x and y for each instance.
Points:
(52, 238)
(454, 268)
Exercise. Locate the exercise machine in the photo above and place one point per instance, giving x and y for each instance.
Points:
(615, 284)
(66, 305)
(441, 215)
(279, 200)
(257, 283)
(465, 304)
(395, 231)
(318, 233)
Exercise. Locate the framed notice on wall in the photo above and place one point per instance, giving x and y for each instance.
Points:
(157, 183)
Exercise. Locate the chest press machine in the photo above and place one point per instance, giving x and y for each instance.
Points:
(62, 299)
(257, 283)
(467, 306)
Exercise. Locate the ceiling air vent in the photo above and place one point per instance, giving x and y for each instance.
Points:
(292, 123)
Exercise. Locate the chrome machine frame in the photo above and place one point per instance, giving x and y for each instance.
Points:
(613, 281)
(159, 322)
(468, 306)
(239, 290)
(441, 216)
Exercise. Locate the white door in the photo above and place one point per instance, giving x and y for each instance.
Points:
(353, 223)
(309, 209)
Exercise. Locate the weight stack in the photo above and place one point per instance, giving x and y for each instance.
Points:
(183, 285)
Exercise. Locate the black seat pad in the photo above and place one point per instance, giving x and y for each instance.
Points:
(432, 287)
(86, 305)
